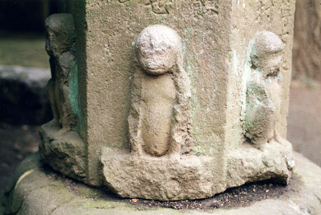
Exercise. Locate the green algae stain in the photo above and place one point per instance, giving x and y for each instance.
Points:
(73, 89)
(73, 95)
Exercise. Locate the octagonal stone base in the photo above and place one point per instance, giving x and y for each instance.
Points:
(36, 190)
(194, 177)
(189, 177)
(167, 178)
(64, 151)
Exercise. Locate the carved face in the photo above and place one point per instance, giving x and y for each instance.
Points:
(157, 49)
(270, 63)
(267, 52)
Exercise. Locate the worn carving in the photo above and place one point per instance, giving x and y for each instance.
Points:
(61, 146)
(158, 120)
(158, 6)
(60, 46)
(209, 7)
(263, 90)
(161, 6)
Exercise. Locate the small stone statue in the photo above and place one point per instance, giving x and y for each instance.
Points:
(60, 46)
(263, 89)
(158, 121)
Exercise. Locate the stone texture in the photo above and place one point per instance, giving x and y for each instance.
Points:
(111, 90)
(62, 147)
(151, 100)
(40, 193)
(63, 151)
(159, 120)
(24, 96)
(263, 92)
(189, 177)
(274, 161)
(63, 85)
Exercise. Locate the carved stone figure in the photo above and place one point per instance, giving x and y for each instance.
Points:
(263, 90)
(60, 46)
(62, 147)
(158, 121)
(143, 131)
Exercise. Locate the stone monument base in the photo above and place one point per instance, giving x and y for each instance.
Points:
(38, 190)
(194, 177)
(187, 177)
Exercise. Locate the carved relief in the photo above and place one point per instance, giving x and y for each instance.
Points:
(158, 6)
(158, 121)
(263, 90)
(161, 7)
(60, 45)
(209, 7)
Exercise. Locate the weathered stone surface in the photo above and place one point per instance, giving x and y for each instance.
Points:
(190, 177)
(274, 161)
(187, 177)
(62, 147)
(163, 83)
(263, 94)
(24, 95)
(159, 119)
(63, 85)
(110, 71)
(37, 193)
(63, 151)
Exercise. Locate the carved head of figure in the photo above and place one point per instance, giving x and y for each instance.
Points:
(266, 53)
(159, 49)
(60, 33)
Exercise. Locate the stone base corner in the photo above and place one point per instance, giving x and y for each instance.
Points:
(64, 151)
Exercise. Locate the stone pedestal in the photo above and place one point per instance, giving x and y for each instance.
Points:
(38, 190)
(170, 100)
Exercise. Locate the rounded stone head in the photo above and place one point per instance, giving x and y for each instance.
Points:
(60, 33)
(266, 53)
(158, 49)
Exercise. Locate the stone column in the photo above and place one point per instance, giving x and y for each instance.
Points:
(163, 114)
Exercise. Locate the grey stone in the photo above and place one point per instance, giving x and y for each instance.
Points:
(263, 89)
(63, 151)
(274, 161)
(163, 88)
(187, 177)
(63, 85)
(39, 193)
(159, 117)
(24, 95)
(62, 147)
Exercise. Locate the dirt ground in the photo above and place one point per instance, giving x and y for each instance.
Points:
(304, 131)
